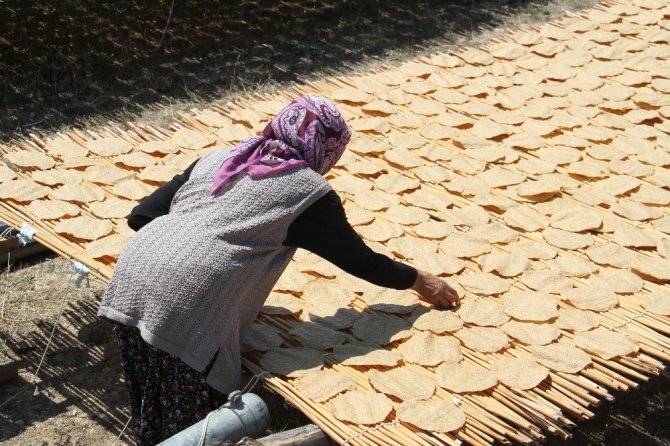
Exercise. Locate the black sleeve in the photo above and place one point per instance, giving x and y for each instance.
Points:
(158, 203)
(324, 230)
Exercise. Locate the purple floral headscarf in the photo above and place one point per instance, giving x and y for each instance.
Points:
(309, 132)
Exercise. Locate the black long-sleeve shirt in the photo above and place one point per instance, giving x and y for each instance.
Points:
(322, 229)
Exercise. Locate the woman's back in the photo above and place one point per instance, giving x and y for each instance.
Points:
(200, 259)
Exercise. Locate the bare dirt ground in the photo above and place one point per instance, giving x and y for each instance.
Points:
(83, 63)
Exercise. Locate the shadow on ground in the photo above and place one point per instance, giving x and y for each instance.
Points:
(63, 61)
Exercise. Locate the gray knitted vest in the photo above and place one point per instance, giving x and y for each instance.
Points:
(192, 279)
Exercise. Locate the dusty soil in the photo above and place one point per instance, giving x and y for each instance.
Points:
(86, 62)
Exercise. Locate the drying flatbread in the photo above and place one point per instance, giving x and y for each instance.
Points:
(483, 339)
(374, 329)
(380, 231)
(635, 211)
(620, 281)
(495, 233)
(365, 355)
(372, 125)
(21, 191)
(293, 362)
(428, 199)
(611, 254)
(109, 246)
(317, 336)
(483, 313)
(485, 284)
(405, 215)
(163, 147)
(651, 267)
(30, 159)
(158, 174)
(192, 139)
(437, 321)
(472, 215)
(106, 174)
(576, 220)
(55, 177)
(561, 357)
(395, 183)
(259, 337)
(546, 281)
(505, 264)
(530, 305)
(352, 95)
(52, 209)
(432, 416)
(433, 229)
(403, 383)
(533, 249)
(605, 343)
(439, 264)
(411, 248)
(379, 107)
(366, 167)
(590, 298)
(425, 348)
(358, 216)
(432, 174)
(571, 265)
(567, 240)
(180, 162)
(85, 228)
(112, 208)
(374, 200)
(361, 407)
(323, 292)
(632, 237)
(461, 378)
(577, 320)
(322, 385)
(532, 333)
(519, 373)
(402, 158)
(64, 147)
(390, 300)
(109, 146)
(77, 162)
(464, 245)
(333, 316)
(281, 304)
(6, 174)
(136, 159)
(79, 193)
(526, 219)
(132, 189)
(657, 302)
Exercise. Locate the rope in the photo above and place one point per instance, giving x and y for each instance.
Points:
(5, 293)
(26, 235)
(122, 430)
(368, 429)
(235, 398)
(254, 381)
(632, 319)
(203, 433)
(53, 331)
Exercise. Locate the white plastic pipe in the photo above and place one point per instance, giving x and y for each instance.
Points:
(245, 415)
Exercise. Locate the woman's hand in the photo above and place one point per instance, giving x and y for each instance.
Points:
(435, 290)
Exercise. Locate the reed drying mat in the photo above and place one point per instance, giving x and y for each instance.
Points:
(533, 174)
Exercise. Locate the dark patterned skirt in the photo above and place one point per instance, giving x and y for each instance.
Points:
(166, 395)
